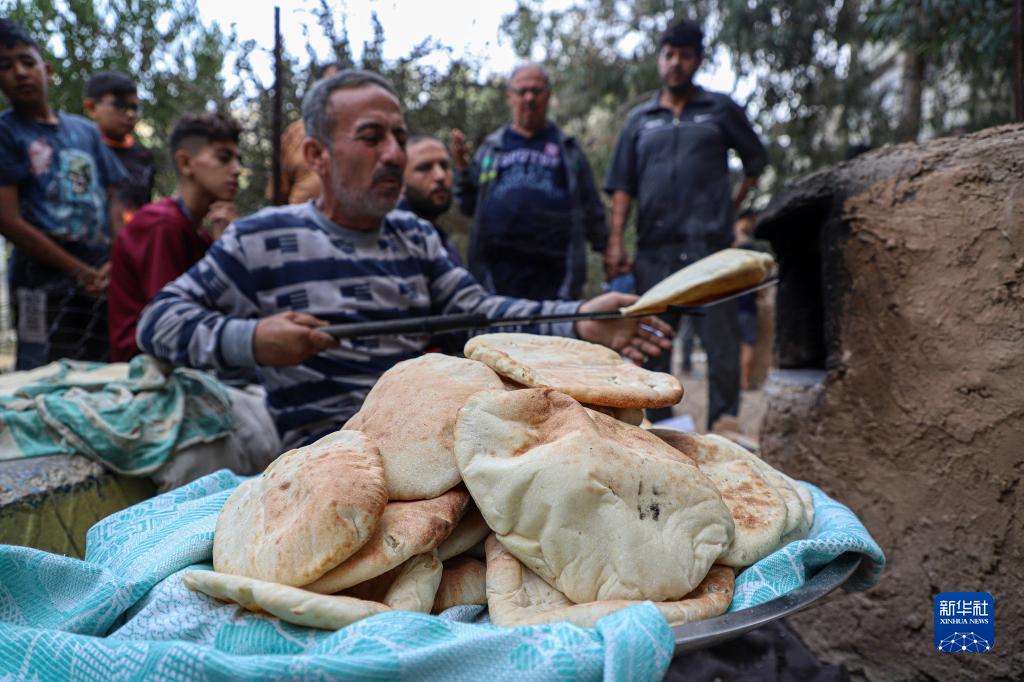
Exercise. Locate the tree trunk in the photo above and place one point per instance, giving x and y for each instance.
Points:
(913, 89)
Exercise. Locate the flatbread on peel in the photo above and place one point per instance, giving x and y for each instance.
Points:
(291, 604)
(517, 596)
(410, 415)
(716, 276)
(405, 530)
(586, 371)
(758, 510)
(463, 582)
(312, 508)
(415, 586)
(598, 508)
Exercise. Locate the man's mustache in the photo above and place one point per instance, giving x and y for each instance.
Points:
(388, 173)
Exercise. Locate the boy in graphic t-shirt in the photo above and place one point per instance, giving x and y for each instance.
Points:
(112, 101)
(58, 207)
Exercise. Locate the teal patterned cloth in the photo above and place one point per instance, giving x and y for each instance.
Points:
(123, 614)
(836, 530)
(129, 417)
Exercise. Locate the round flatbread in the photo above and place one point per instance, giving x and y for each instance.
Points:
(291, 604)
(415, 586)
(410, 415)
(598, 508)
(312, 508)
(586, 371)
(463, 582)
(758, 510)
(472, 529)
(630, 415)
(716, 276)
(517, 596)
(405, 530)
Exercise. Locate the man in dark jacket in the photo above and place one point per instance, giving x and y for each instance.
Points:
(533, 200)
(671, 161)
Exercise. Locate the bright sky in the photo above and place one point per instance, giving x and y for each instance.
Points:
(470, 28)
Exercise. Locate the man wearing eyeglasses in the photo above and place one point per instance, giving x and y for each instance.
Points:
(533, 199)
(112, 101)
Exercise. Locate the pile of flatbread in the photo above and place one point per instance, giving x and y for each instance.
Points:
(516, 478)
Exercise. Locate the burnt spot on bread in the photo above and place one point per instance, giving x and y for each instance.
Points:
(390, 541)
(285, 485)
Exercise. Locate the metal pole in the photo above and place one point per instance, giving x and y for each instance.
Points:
(275, 126)
(1018, 59)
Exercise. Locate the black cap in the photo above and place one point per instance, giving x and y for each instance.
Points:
(683, 33)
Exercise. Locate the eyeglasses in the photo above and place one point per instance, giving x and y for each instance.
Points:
(523, 92)
(123, 107)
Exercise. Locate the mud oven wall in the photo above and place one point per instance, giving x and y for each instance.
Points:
(900, 392)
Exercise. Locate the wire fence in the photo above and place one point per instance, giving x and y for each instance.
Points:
(7, 332)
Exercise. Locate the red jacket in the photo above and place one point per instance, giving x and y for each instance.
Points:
(159, 244)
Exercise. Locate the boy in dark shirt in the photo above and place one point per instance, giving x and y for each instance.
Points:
(167, 237)
(58, 208)
(112, 101)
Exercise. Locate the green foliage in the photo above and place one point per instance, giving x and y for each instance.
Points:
(175, 59)
(828, 72)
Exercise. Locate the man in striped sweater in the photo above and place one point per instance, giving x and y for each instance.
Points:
(257, 298)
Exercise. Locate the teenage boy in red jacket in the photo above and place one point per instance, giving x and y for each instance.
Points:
(165, 238)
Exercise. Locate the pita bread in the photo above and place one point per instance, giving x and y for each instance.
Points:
(598, 508)
(802, 527)
(517, 596)
(410, 415)
(716, 276)
(312, 509)
(797, 500)
(374, 589)
(630, 415)
(290, 604)
(586, 371)
(405, 530)
(416, 584)
(472, 529)
(463, 582)
(758, 510)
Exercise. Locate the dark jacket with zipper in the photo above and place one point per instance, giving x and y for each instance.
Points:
(473, 189)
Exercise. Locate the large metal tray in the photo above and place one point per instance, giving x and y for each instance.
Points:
(705, 633)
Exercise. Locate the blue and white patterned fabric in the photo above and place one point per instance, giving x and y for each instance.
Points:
(123, 614)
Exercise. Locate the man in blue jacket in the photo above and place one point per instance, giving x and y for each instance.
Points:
(533, 199)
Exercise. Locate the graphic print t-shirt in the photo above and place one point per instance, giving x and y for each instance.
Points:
(61, 171)
(137, 190)
(529, 210)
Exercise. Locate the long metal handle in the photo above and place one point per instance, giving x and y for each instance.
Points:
(434, 324)
(430, 324)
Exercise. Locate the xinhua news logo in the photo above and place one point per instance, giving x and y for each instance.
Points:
(964, 622)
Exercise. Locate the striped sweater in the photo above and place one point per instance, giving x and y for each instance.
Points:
(295, 258)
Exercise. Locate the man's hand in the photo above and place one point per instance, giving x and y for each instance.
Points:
(634, 337)
(461, 150)
(220, 215)
(286, 339)
(616, 261)
(93, 280)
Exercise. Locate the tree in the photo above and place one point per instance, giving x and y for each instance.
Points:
(175, 59)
